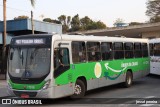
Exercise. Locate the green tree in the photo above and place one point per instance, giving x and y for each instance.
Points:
(65, 21)
(96, 25)
(155, 19)
(68, 21)
(21, 17)
(85, 22)
(51, 20)
(119, 22)
(75, 23)
(153, 10)
(62, 19)
(47, 20)
(101, 25)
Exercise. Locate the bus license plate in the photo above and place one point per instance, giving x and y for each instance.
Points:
(24, 96)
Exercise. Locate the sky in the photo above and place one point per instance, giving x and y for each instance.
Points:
(106, 11)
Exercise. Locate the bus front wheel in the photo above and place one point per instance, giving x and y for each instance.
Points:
(128, 80)
(79, 89)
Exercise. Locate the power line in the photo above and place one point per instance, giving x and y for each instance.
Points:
(15, 9)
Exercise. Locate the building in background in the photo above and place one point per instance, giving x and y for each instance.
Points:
(150, 30)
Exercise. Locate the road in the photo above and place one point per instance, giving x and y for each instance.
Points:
(147, 87)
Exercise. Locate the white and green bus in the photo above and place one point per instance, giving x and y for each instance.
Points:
(54, 66)
(155, 56)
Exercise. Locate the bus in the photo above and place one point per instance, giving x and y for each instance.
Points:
(54, 66)
(154, 45)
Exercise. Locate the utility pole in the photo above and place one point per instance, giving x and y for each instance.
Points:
(32, 22)
(4, 37)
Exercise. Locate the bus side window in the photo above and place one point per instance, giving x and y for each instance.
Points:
(78, 52)
(106, 50)
(128, 50)
(144, 50)
(137, 50)
(93, 51)
(118, 50)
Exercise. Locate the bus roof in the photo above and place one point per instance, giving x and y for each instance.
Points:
(66, 37)
(101, 38)
(155, 40)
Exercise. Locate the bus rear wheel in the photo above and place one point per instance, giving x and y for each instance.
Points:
(79, 89)
(128, 80)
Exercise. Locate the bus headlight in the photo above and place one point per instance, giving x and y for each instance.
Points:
(9, 85)
(46, 85)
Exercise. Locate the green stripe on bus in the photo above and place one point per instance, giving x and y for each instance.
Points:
(108, 69)
(26, 86)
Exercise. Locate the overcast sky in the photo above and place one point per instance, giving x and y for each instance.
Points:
(105, 10)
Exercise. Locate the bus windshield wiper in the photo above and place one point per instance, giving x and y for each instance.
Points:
(21, 55)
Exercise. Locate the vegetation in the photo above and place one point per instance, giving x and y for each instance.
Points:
(119, 22)
(153, 10)
(21, 17)
(76, 23)
(33, 2)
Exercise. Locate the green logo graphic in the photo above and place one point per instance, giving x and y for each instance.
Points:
(113, 70)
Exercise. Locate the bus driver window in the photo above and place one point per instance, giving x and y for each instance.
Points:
(58, 55)
(61, 61)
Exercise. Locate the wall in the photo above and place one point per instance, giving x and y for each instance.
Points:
(153, 34)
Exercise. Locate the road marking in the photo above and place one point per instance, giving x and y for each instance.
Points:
(150, 97)
(146, 105)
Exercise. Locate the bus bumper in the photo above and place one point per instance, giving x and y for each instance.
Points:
(47, 93)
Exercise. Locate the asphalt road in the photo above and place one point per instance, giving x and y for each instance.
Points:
(141, 89)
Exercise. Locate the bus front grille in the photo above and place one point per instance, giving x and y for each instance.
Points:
(19, 93)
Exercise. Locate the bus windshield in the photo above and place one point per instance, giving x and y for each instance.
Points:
(29, 62)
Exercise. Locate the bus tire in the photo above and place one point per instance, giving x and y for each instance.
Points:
(128, 79)
(79, 89)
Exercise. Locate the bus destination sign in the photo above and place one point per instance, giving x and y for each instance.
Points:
(36, 41)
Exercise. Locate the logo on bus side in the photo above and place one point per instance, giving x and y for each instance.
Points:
(124, 67)
(98, 70)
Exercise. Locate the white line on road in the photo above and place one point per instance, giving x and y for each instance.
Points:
(150, 97)
(146, 105)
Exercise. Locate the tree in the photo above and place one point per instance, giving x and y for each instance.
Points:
(75, 23)
(65, 21)
(21, 17)
(101, 25)
(119, 22)
(51, 20)
(47, 20)
(62, 19)
(153, 10)
(155, 19)
(33, 2)
(85, 22)
(96, 25)
(68, 21)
